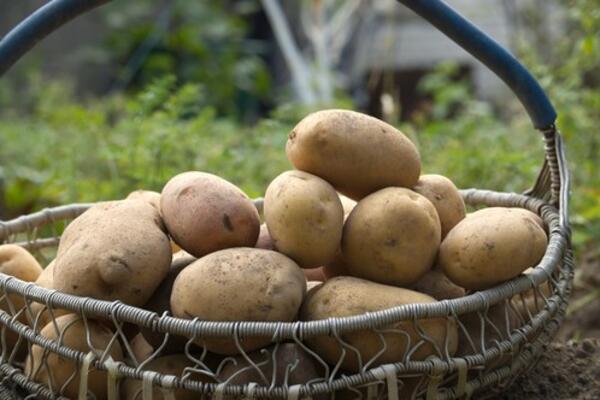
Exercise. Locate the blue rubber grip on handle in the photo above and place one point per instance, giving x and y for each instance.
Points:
(490, 53)
(38, 25)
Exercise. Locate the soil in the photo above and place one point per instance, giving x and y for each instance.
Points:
(565, 371)
(569, 368)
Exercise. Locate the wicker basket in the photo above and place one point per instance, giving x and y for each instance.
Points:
(500, 351)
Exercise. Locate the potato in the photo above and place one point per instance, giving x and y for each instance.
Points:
(445, 197)
(116, 250)
(264, 240)
(392, 236)
(485, 250)
(59, 370)
(154, 199)
(241, 284)
(346, 296)
(205, 213)
(16, 261)
(526, 213)
(290, 359)
(169, 365)
(437, 285)
(160, 302)
(305, 217)
(356, 153)
(45, 280)
(150, 196)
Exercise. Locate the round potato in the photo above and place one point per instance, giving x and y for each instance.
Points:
(356, 153)
(346, 296)
(305, 218)
(116, 250)
(264, 240)
(205, 213)
(437, 285)
(43, 316)
(161, 302)
(18, 262)
(445, 197)
(392, 236)
(485, 250)
(274, 363)
(241, 284)
(495, 210)
(174, 364)
(46, 367)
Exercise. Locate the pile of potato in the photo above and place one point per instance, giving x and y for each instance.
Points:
(355, 223)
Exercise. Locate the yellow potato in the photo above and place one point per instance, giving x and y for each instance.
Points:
(16, 261)
(241, 284)
(356, 153)
(116, 250)
(445, 197)
(59, 370)
(494, 210)
(305, 217)
(346, 296)
(485, 250)
(205, 213)
(392, 236)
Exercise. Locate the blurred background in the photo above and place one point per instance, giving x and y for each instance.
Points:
(135, 92)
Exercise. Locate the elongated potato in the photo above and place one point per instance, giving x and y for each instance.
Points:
(116, 250)
(356, 153)
(241, 284)
(446, 199)
(18, 262)
(392, 236)
(304, 216)
(485, 250)
(346, 296)
(59, 370)
(205, 213)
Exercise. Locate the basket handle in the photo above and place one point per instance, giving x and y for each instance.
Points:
(490, 53)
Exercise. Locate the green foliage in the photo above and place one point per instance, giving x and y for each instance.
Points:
(68, 150)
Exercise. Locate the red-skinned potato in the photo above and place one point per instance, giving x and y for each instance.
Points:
(205, 213)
